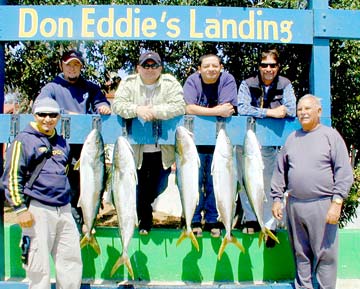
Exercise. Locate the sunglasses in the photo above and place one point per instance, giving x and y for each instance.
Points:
(44, 114)
(152, 66)
(265, 65)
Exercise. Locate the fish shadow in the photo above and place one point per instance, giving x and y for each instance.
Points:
(190, 267)
(223, 269)
(88, 256)
(245, 265)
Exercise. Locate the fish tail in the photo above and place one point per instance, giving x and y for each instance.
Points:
(123, 260)
(191, 236)
(181, 238)
(226, 241)
(194, 240)
(90, 240)
(271, 235)
(261, 237)
(237, 244)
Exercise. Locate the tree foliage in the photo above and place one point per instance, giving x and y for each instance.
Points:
(32, 64)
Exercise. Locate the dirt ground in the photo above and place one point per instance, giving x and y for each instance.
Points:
(107, 218)
(167, 210)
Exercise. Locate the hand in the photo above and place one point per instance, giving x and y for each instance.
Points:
(333, 214)
(25, 219)
(104, 109)
(146, 112)
(277, 210)
(225, 110)
(278, 112)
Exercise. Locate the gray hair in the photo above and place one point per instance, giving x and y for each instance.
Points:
(316, 99)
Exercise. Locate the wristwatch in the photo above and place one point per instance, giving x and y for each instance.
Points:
(337, 201)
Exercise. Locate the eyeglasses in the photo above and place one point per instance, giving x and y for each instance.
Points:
(152, 66)
(44, 115)
(265, 65)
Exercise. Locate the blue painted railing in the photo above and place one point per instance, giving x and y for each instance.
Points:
(318, 23)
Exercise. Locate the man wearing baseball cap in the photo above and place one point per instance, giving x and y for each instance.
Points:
(37, 188)
(150, 95)
(72, 91)
(75, 95)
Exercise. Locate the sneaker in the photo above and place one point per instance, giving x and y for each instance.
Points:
(197, 232)
(143, 232)
(215, 232)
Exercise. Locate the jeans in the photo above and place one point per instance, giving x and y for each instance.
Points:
(269, 155)
(206, 197)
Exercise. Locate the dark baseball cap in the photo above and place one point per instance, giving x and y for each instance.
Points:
(72, 55)
(149, 55)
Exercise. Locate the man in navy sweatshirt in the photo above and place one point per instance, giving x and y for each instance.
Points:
(42, 203)
(75, 95)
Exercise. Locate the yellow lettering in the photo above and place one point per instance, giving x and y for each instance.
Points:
(127, 23)
(109, 21)
(148, 25)
(285, 27)
(171, 25)
(250, 27)
(213, 29)
(194, 34)
(267, 26)
(86, 21)
(233, 25)
(69, 24)
(52, 25)
(23, 13)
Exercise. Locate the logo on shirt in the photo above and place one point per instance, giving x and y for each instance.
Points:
(86, 95)
(43, 149)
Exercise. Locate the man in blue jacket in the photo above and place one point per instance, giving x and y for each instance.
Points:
(37, 187)
(75, 95)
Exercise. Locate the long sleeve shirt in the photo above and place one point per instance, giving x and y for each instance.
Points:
(313, 165)
(83, 96)
(246, 108)
(28, 149)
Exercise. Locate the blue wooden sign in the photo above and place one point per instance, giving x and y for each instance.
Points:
(129, 22)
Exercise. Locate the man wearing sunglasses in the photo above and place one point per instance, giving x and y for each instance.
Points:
(37, 187)
(150, 95)
(75, 95)
(265, 95)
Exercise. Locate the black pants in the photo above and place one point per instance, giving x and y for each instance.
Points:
(74, 180)
(151, 180)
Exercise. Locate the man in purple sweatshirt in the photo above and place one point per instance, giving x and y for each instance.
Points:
(212, 92)
(314, 169)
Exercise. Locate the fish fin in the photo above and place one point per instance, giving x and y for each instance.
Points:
(77, 165)
(237, 244)
(92, 242)
(123, 260)
(226, 241)
(191, 236)
(181, 238)
(271, 235)
(194, 241)
(261, 237)
(129, 268)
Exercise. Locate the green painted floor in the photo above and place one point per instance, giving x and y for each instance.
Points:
(156, 259)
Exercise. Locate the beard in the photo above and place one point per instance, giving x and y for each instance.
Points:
(73, 79)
